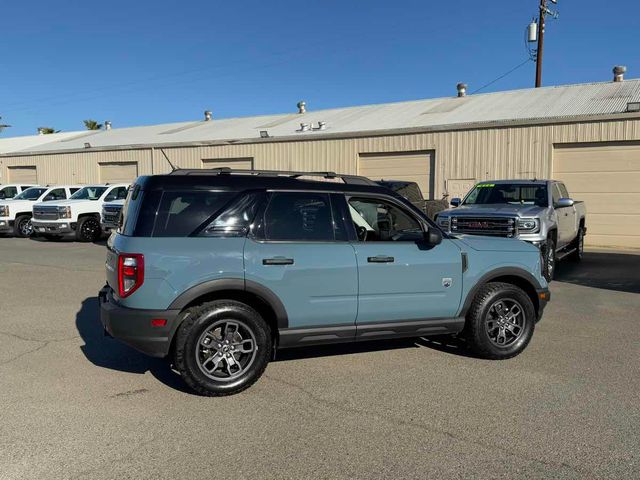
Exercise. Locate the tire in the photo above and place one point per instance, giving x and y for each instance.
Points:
(22, 226)
(577, 255)
(88, 229)
(484, 322)
(549, 256)
(232, 324)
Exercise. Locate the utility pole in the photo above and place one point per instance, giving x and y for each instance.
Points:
(543, 10)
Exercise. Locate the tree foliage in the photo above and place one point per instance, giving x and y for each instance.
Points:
(92, 125)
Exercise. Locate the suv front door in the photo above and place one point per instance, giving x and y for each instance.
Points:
(300, 251)
(400, 277)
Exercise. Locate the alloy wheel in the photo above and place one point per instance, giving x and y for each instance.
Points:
(505, 322)
(26, 227)
(226, 350)
(90, 229)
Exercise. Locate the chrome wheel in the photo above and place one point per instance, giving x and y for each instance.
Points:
(226, 350)
(550, 260)
(26, 227)
(505, 322)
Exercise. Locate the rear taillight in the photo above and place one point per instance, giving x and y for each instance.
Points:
(130, 273)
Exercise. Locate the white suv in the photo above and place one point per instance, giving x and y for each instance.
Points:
(16, 213)
(9, 191)
(80, 215)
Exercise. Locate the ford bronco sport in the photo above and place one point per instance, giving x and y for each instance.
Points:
(218, 268)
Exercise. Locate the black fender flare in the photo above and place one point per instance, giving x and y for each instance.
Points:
(238, 284)
(497, 273)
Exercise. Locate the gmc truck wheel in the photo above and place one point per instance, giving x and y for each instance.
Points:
(500, 322)
(549, 257)
(88, 229)
(22, 227)
(222, 347)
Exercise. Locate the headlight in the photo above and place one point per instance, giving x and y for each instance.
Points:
(4, 210)
(443, 222)
(529, 225)
(64, 212)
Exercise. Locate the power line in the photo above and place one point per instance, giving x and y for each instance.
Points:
(503, 75)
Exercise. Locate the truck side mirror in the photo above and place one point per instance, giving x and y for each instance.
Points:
(565, 202)
(433, 237)
(455, 202)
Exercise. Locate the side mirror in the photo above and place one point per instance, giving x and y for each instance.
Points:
(433, 236)
(565, 202)
(455, 202)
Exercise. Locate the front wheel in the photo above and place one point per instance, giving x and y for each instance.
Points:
(500, 322)
(222, 347)
(23, 227)
(88, 229)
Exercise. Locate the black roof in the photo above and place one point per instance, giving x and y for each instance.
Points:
(259, 179)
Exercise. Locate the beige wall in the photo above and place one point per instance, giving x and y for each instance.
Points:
(520, 152)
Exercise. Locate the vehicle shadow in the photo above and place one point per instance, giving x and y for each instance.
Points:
(66, 239)
(109, 353)
(606, 270)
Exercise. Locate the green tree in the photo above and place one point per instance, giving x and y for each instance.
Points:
(47, 130)
(92, 125)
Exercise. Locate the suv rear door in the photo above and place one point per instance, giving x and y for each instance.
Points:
(299, 250)
(399, 276)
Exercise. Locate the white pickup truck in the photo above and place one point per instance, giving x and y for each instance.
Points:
(12, 189)
(16, 213)
(80, 215)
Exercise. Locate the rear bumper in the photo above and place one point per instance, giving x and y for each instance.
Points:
(544, 297)
(133, 326)
(40, 226)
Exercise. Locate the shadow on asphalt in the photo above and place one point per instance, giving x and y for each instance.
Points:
(67, 239)
(617, 271)
(109, 353)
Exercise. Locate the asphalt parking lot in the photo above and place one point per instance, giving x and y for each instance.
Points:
(78, 405)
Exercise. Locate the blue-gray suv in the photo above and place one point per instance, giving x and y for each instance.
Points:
(217, 269)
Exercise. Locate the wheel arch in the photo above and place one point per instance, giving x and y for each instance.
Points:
(90, 214)
(513, 275)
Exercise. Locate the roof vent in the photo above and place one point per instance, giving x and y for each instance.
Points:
(618, 73)
(304, 127)
(302, 106)
(107, 125)
(322, 125)
(207, 115)
(462, 89)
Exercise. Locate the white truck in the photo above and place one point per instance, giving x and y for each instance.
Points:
(16, 213)
(110, 218)
(12, 189)
(79, 215)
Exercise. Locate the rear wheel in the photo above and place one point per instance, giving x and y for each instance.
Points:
(88, 229)
(22, 227)
(578, 253)
(500, 322)
(222, 347)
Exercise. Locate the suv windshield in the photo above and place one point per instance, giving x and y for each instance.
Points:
(508, 194)
(30, 194)
(88, 193)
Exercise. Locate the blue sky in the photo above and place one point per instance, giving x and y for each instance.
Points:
(142, 62)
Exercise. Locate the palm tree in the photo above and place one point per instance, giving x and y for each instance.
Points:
(47, 130)
(92, 125)
(3, 125)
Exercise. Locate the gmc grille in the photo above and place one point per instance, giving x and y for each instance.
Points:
(45, 213)
(497, 227)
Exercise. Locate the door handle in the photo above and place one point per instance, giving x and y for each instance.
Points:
(277, 261)
(380, 259)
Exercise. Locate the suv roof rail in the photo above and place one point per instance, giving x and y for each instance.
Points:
(352, 179)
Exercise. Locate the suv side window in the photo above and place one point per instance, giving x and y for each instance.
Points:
(55, 194)
(378, 220)
(235, 220)
(298, 216)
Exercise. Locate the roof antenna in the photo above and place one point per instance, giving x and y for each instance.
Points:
(173, 167)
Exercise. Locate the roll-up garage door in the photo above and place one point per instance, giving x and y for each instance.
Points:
(237, 163)
(23, 175)
(413, 167)
(607, 179)
(118, 172)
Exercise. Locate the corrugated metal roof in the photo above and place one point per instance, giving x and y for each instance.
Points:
(561, 102)
(14, 144)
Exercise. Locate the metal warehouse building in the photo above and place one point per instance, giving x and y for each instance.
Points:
(587, 135)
